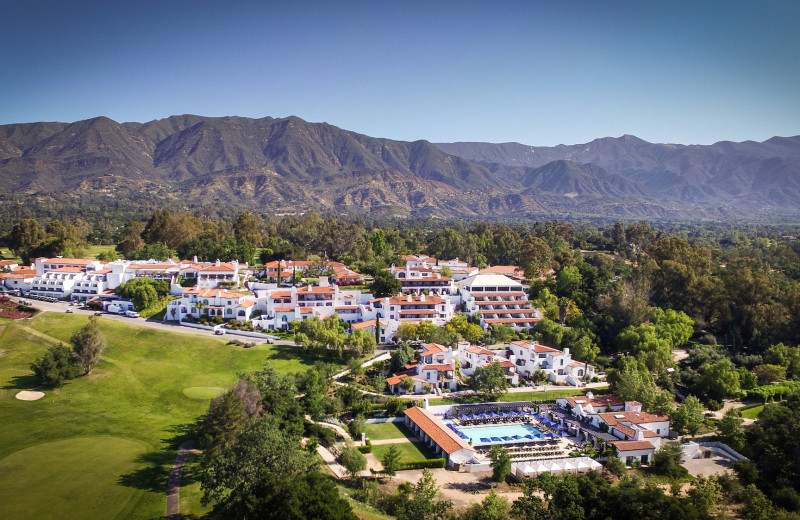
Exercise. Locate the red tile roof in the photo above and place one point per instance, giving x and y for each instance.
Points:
(479, 350)
(436, 430)
(511, 320)
(432, 348)
(438, 368)
(73, 261)
(611, 418)
(539, 349)
(623, 446)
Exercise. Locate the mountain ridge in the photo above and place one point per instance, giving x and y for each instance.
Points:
(290, 165)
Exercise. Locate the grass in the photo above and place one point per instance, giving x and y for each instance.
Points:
(409, 451)
(115, 432)
(389, 430)
(751, 412)
(549, 395)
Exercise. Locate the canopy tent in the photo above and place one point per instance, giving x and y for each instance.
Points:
(569, 467)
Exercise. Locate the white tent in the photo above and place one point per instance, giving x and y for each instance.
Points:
(596, 466)
(583, 466)
(556, 468)
(541, 468)
(569, 467)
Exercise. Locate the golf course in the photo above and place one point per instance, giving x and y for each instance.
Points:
(102, 446)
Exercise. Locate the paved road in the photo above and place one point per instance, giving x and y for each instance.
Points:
(153, 324)
(174, 483)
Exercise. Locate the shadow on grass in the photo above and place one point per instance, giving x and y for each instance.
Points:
(157, 465)
(25, 382)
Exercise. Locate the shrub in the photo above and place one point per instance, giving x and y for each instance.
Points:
(364, 449)
(421, 464)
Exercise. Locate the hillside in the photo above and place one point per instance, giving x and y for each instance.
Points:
(290, 165)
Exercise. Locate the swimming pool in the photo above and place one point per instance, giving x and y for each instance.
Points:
(501, 434)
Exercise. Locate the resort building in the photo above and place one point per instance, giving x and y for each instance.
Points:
(435, 367)
(498, 299)
(205, 301)
(414, 308)
(530, 356)
(419, 280)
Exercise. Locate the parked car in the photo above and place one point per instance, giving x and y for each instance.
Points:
(219, 332)
(132, 314)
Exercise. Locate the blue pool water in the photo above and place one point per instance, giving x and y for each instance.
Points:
(500, 434)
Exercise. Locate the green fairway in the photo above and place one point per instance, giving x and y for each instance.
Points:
(389, 430)
(148, 389)
(75, 478)
(549, 395)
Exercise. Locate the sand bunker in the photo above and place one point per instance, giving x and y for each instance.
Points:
(27, 395)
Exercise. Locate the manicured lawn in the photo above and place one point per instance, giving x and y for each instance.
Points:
(549, 395)
(752, 413)
(109, 438)
(408, 451)
(389, 430)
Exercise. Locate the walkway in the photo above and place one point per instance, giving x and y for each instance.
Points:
(396, 440)
(174, 484)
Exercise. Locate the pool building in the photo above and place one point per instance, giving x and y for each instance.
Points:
(464, 434)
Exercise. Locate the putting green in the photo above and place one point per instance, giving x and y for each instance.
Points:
(75, 478)
(202, 393)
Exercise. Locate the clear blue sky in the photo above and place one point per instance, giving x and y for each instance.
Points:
(535, 72)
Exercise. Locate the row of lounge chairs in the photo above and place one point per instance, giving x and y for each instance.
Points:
(495, 418)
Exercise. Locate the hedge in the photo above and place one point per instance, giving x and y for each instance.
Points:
(364, 449)
(421, 464)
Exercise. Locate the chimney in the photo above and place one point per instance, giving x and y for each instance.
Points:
(408, 298)
(566, 352)
(217, 262)
(422, 297)
(194, 259)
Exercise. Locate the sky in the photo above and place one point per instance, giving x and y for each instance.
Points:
(535, 72)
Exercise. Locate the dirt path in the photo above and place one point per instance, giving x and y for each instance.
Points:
(40, 335)
(174, 484)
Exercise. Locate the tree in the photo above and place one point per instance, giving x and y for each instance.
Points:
(667, 460)
(280, 497)
(353, 461)
(248, 228)
(785, 356)
(615, 466)
(688, 417)
(88, 344)
(422, 504)
(391, 460)
(489, 380)
(385, 284)
(362, 342)
(401, 357)
(720, 380)
(24, 237)
(673, 325)
(731, 430)
(756, 504)
(407, 384)
(407, 331)
(501, 333)
(704, 495)
(55, 366)
(493, 507)
(144, 296)
(501, 463)
(131, 239)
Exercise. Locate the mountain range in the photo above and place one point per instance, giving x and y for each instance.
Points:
(288, 165)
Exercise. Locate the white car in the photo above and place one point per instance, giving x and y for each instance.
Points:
(132, 314)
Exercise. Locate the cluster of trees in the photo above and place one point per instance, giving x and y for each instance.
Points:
(253, 465)
(329, 336)
(143, 292)
(28, 239)
(61, 363)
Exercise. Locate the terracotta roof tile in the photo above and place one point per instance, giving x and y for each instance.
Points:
(623, 446)
(436, 430)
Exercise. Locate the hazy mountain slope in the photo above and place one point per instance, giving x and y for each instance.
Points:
(291, 165)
